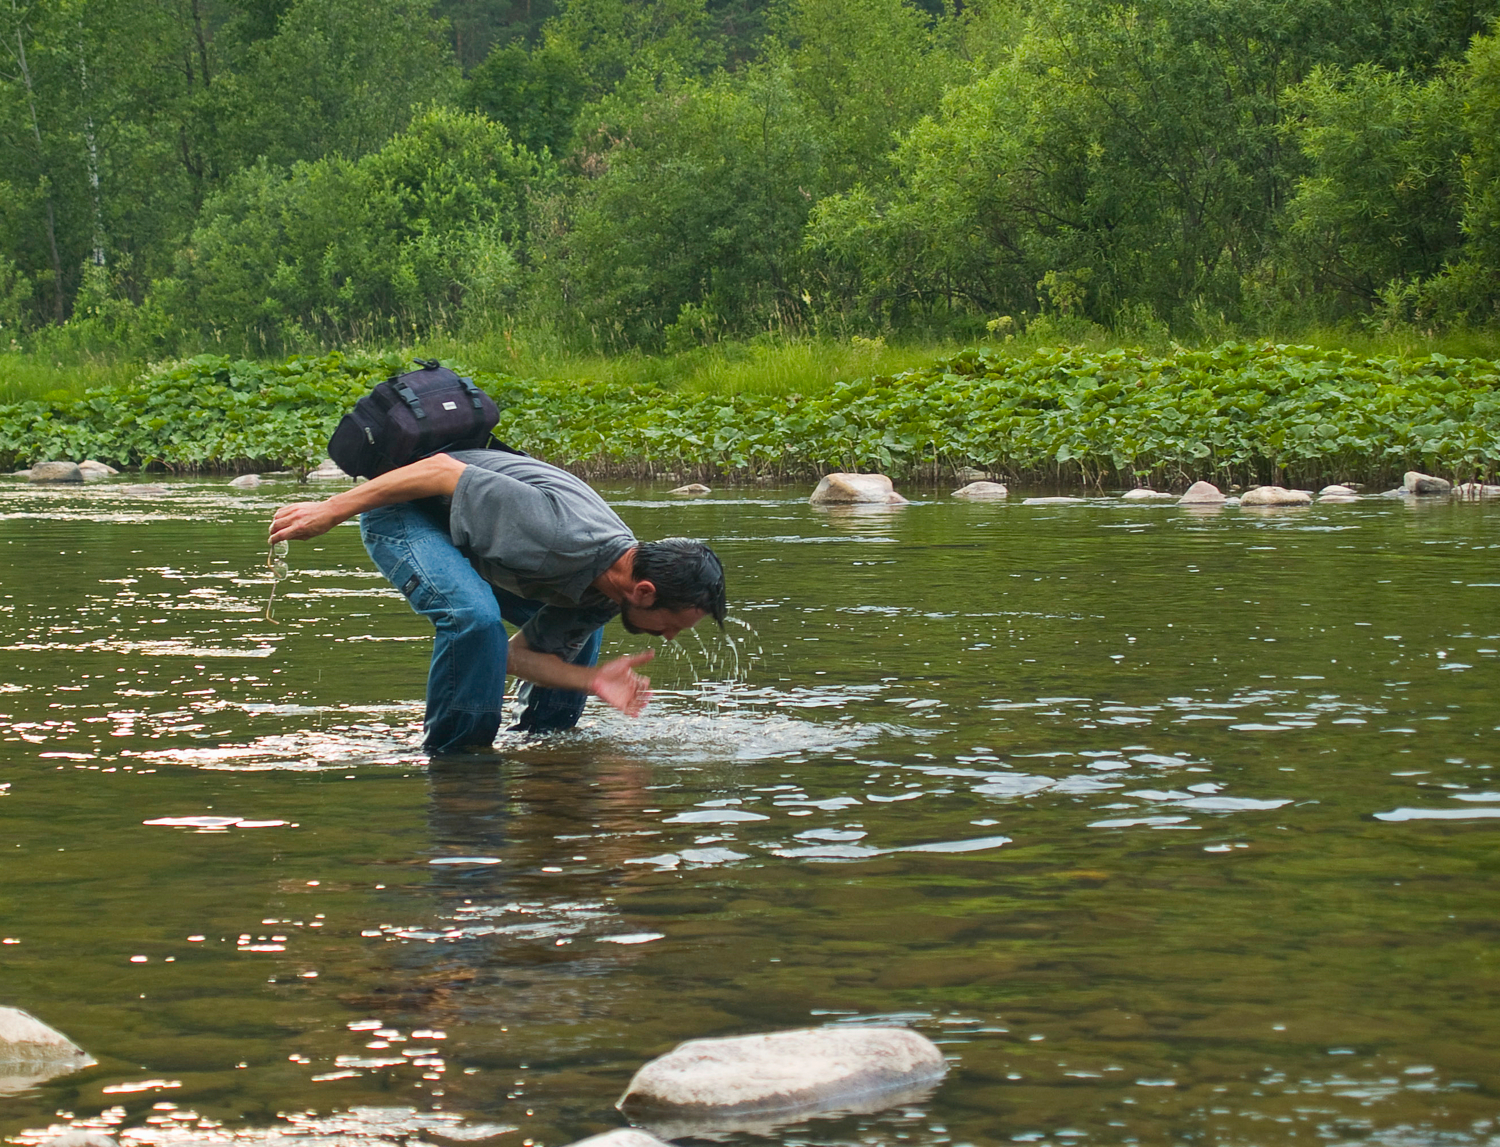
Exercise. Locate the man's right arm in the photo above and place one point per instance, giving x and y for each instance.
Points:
(424, 479)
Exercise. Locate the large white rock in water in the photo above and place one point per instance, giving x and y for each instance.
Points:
(791, 1071)
(1337, 491)
(845, 489)
(31, 1052)
(245, 482)
(692, 490)
(1473, 490)
(624, 1137)
(1275, 496)
(90, 468)
(983, 490)
(1202, 494)
(327, 471)
(1144, 494)
(56, 472)
(1416, 482)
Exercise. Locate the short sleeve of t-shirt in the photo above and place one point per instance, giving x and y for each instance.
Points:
(532, 528)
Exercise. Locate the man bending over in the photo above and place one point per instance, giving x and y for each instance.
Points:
(477, 536)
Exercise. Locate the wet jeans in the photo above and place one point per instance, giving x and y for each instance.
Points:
(466, 683)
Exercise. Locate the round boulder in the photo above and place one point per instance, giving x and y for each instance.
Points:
(95, 469)
(246, 482)
(1146, 494)
(1275, 496)
(56, 472)
(804, 1070)
(327, 471)
(624, 1137)
(983, 490)
(1338, 491)
(692, 490)
(847, 489)
(1425, 485)
(1202, 494)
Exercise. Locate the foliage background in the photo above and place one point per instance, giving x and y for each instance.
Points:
(604, 176)
(1233, 413)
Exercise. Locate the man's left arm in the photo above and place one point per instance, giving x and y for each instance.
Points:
(615, 682)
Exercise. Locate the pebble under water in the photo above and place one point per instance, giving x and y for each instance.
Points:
(1168, 826)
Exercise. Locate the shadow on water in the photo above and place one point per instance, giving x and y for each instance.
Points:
(1165, 826)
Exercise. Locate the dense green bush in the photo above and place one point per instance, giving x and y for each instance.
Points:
(1233, 413)
(207, 412)
(397, 241)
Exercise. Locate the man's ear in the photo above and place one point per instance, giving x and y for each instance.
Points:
(642, 595)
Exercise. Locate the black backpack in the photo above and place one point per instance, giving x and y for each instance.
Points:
(411, 416)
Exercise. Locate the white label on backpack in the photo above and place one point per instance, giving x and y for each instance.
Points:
(450, 406)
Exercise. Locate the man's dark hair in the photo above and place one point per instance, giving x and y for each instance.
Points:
(686, 574)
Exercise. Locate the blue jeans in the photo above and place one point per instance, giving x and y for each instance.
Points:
(466, 683)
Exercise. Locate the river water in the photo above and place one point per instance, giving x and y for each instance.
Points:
(1168, 826)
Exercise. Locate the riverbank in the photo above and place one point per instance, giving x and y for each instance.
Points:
(1236, 413)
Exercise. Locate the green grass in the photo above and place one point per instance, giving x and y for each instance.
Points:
(759, 367)
(25, 376)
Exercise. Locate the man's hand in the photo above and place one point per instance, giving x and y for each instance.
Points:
(303, 520)
(620, 685)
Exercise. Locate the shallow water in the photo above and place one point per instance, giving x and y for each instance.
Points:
(1168, 826)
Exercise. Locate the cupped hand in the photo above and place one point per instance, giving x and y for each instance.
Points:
(302, 520)
(617, 683)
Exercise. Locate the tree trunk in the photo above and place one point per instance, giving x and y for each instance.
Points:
(58, 310)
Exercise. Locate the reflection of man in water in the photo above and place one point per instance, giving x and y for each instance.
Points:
(477, 536)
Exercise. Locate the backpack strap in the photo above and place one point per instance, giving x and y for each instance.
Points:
(474, 392)
(409, 397)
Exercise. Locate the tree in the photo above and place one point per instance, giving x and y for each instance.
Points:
(535, 93)
(338, 77)
(691, 207)
(416, 235)
(865, 71)
(1383, 198)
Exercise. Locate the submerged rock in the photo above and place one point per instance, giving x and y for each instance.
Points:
(246, 482)
(31, 1052)
(983, 490)
(624, 1137)
(1146, 494)
(56, 472)
(1201, 494)
(94, 469)
(692, 490)
(1275, 496)
(707, 1080)
(78, 1137)
(1062, 501)
(1425, 485)
(1472, 490)
(844, 489)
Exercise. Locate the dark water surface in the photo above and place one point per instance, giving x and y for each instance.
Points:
(1170, 827)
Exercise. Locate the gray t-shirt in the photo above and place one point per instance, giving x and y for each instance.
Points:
(542, 534)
